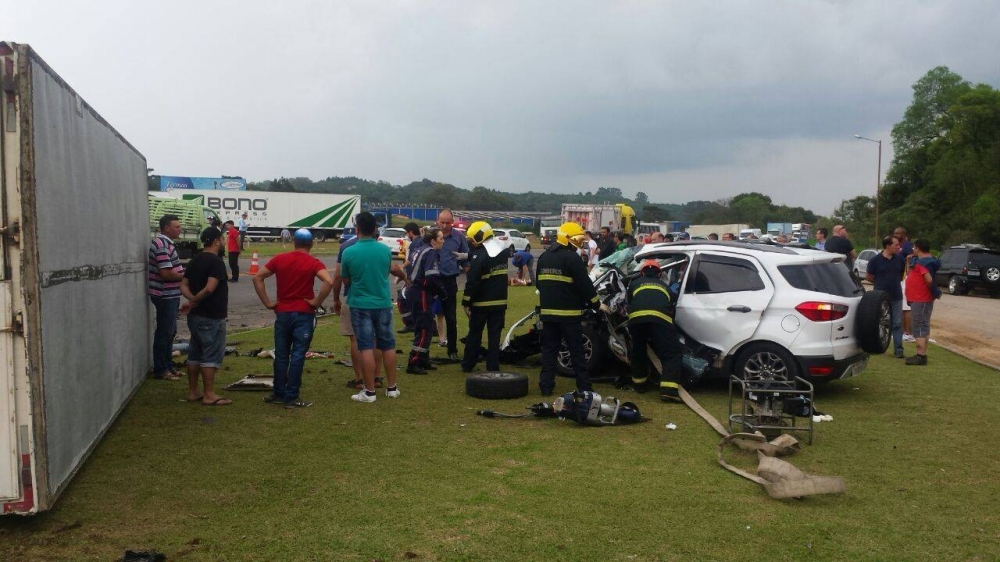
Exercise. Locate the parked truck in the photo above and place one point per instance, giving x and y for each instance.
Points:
(775, 229)
(703, 230)
(76, 331)
(194, 218)
(593, 217)
(270, 212)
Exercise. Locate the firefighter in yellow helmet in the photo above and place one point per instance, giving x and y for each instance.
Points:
(485, 296)
(650, 324)
(565, 292)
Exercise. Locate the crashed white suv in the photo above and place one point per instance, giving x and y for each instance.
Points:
(756, 311)
(762, 311)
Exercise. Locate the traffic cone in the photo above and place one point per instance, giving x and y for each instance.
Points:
(254, 264)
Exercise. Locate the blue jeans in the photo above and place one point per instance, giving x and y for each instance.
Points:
(166, 329)
(208, 341)
(373, 328)
(293, 332)
(896, 314)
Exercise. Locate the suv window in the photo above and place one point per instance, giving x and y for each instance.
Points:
(953, 257)
(723, 274)
(984, 257)
(516, 234)
(829, 278)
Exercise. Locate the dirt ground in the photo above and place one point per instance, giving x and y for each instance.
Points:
(969, 325)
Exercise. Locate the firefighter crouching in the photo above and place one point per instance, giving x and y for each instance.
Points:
(648, 322)
(564, 291)
(485, 297)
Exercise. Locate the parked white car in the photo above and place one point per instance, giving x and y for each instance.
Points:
(861, 262)
(512, 238)
(394, 238)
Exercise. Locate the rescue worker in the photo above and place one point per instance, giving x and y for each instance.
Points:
(425, 283)
(415, 242)
(648, 301)
(565, 291)
(485, 297)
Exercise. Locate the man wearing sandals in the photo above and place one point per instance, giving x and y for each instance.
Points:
(206, 289)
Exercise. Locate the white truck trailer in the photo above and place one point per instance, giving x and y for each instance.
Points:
(269, 212)
(74, 316)
(592, 217)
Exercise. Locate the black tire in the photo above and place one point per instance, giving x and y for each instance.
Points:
(765, 361)
(957, 286)
(593, 353)
(496, 385)
(512, 250)
(873, 323)
(527, 248)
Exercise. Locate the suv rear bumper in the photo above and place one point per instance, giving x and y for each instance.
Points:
(826, 368)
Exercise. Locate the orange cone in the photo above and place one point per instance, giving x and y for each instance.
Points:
(254, 264)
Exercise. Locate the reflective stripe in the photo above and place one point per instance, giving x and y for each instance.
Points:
(550, 277)
(558, 312)
(639, 381)
(594, 299)
(654, 313)
(490, 303)
(419, 349)
(495, 274)
(429, 272)
(651, 286)
(668, 384)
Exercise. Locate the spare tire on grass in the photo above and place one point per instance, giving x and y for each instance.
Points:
(873, 324)
(494, 385)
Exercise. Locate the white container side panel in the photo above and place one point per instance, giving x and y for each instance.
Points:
(92, 239)
(268, 209)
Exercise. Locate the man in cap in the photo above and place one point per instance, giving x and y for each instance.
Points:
(295, 312)
(206, 289)
(485, 297)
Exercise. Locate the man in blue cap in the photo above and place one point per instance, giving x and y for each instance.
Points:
(295, 312)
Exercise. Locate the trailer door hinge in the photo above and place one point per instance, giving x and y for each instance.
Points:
(13, 232)
(16, 325)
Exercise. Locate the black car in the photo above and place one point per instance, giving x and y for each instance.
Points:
(967, 267)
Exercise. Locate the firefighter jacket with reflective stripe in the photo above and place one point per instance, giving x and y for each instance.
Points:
(648, 301)
(564, 288)
(486, 280)
(425, 273)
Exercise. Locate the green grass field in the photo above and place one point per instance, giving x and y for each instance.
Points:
(422, 477)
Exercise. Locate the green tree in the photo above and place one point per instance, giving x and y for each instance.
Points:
(641, 198)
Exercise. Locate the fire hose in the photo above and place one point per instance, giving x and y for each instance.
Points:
(781, 479)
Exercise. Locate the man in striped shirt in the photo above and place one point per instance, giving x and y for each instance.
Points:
(165, 275)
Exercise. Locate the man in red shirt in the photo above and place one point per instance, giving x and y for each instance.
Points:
(295, 314)
(233, 248)
(919, 283)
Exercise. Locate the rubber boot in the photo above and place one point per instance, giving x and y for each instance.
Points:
(413, 365)
(425, 361)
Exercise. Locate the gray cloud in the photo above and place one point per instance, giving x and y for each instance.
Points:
(683, 100)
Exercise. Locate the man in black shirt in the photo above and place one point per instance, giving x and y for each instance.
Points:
(207, 291)
(839, 244)
(606, 245)
(885, 271)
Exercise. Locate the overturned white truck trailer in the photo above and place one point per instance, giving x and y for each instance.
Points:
(74, 317)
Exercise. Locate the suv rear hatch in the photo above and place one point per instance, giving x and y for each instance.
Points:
(834, 285)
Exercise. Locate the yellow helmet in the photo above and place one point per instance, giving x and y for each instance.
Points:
(479, 232)
(570, 233)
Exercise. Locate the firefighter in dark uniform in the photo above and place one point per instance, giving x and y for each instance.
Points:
(648, 301)
(425, 283)
(485, 297)
(565, 291)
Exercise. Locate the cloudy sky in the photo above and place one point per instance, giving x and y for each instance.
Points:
(683, 100)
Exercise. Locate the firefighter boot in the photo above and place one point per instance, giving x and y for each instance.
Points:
(669, 391)
(413, 365)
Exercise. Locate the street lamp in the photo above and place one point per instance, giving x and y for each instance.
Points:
(878, 180)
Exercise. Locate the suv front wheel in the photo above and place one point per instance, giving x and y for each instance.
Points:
(765, 362)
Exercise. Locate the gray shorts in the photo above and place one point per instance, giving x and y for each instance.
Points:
(208, 341)
(920, 318)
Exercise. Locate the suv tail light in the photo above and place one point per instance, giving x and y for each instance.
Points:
(822, 311)
(502, 237)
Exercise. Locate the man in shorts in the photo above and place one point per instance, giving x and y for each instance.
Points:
(920, 293)
(365, 268)
(206, 289)
(295, 314)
